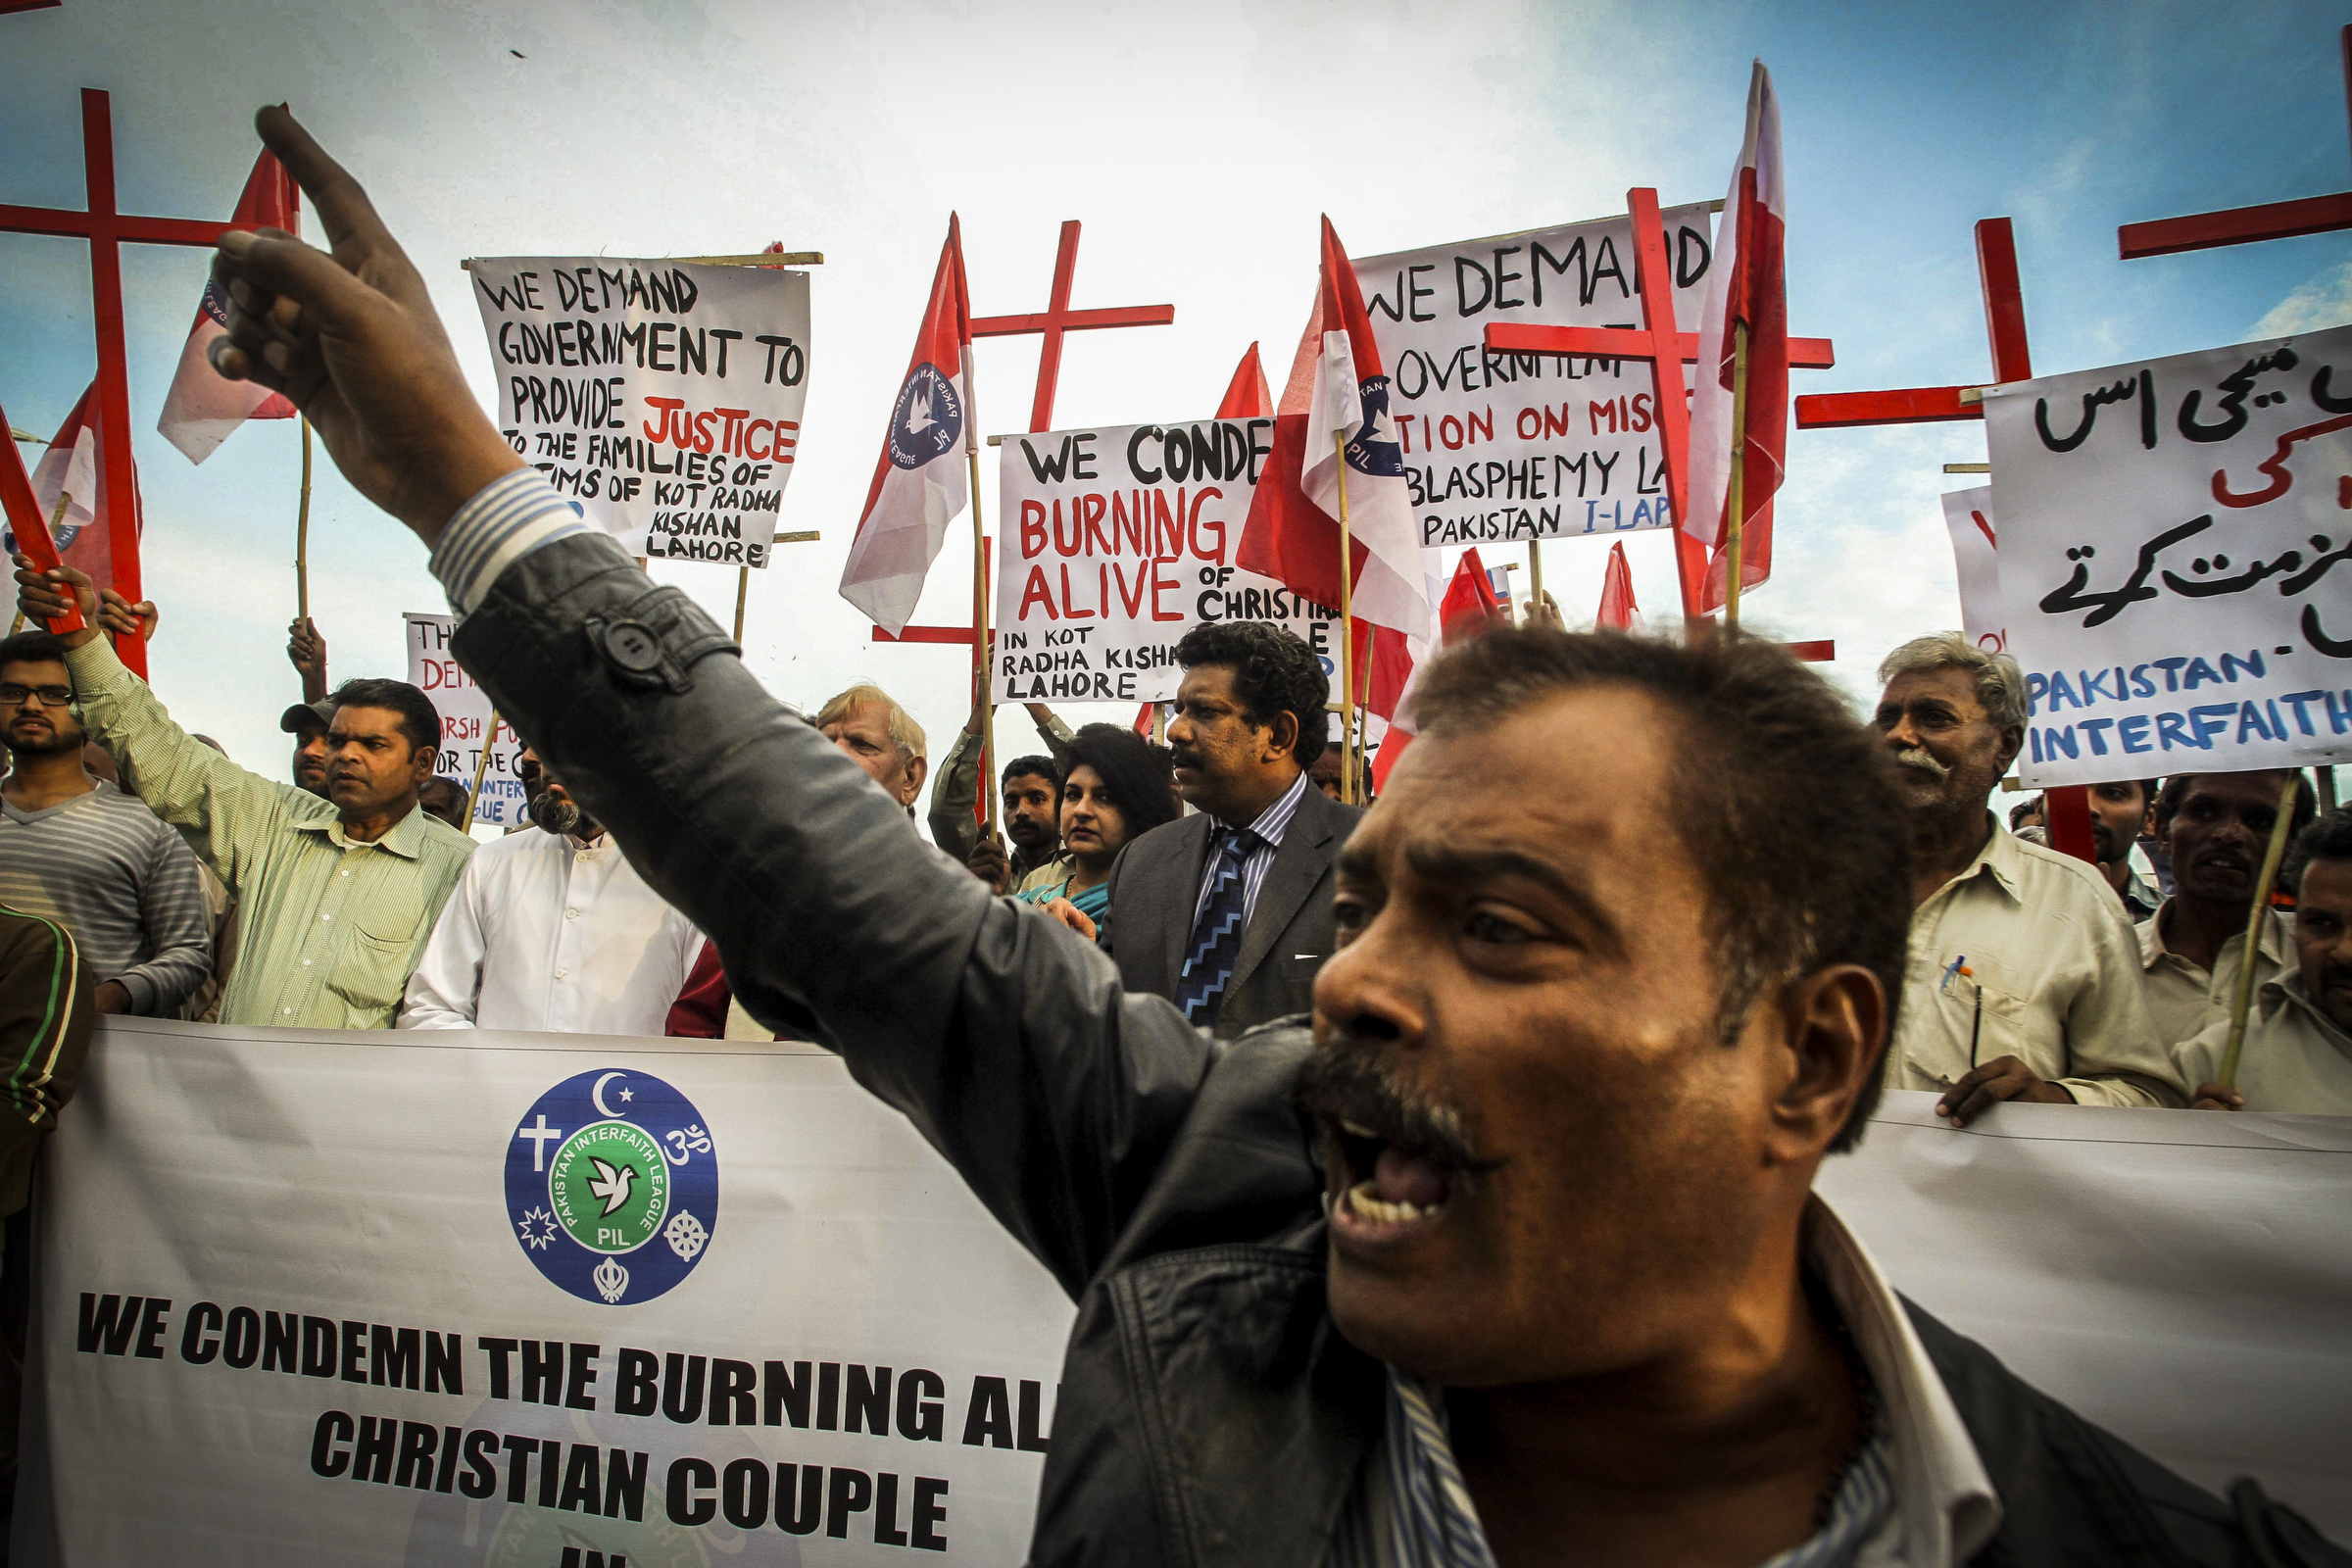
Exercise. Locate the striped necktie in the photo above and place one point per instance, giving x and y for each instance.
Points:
(1217, 933)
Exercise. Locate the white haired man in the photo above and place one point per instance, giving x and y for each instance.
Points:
(874, 731)
(2024, 975)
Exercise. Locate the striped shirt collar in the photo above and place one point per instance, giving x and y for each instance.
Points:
(1275, 820)
(1917, 1492)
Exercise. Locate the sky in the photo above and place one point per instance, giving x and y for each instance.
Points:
(1197, 145)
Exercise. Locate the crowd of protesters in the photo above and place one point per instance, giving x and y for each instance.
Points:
(346, 896)
(1643, 898)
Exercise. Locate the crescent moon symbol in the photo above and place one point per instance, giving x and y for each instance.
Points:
(596, 1096)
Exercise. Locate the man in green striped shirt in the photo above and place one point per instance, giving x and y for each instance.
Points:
(336, 897)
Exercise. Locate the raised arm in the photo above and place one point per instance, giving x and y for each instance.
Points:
(1003, 1036)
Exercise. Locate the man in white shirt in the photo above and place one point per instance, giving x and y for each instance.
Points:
(552, 930)
(2023, 977)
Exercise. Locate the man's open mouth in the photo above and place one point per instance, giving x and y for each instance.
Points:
(1395, 1161)
(1389, 1182)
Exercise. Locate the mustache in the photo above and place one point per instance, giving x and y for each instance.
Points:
(1924, 761)
(1351, 1082)
(2335, 974)
(560, 813)
(1183, 757)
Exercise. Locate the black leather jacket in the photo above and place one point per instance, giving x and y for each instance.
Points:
(1209, 1412)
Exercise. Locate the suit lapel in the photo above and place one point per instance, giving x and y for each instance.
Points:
(1297, 866)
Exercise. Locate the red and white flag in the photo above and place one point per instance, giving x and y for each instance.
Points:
(1618, 612)
(1471, 608)
(1744, 285)
(74, 467)
(918, 483)
(203, 406)
(1338, 390)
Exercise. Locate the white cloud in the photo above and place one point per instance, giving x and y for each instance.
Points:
(2324, 300)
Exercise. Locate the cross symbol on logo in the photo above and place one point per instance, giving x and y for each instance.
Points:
(539, 1136)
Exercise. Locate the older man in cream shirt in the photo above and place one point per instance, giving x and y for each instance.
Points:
(552, 929)
(2024, 976)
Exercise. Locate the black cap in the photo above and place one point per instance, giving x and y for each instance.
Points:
(302, 716)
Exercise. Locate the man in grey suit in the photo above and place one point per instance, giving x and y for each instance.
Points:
(1228, 913)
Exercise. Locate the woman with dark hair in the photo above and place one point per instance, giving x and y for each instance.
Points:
(1118, 787)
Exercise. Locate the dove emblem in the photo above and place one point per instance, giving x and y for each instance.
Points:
(610, 1184)
(597, 1202)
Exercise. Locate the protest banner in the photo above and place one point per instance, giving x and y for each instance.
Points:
(1967, 516)
(343, 1299)
(2177, 1277)
(1114, 543)
(1508, 446)
(271, 1263)
(663, 397)
(464, 710)
(2174, 555)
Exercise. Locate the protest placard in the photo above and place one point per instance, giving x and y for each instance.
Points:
(2176, 559)
(1114, 543)
(1967, 516)
(663, 397)
(1502, 446)
(464, 710)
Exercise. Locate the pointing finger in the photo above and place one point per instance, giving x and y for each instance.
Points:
(343, 208)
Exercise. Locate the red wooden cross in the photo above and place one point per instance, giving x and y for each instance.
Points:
(2004, 327)
(106, 230)
(2068, 809)
(1667, 349)
(2239, 226)
(1057, 318)
(1051, 323)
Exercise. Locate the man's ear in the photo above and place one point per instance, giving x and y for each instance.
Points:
(1282, 736)
(918, 768)
(2013, 741)
(1834, 1026)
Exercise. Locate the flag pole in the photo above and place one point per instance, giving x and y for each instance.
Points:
(1734, 500)
(2241, 999)
(980, 672)
(1364, 724)
(743, 590)
(1348, 790)
(482, 766)
(1535, 575)
(302, 535)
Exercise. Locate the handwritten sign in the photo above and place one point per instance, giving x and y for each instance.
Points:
(1114, 543)
(1517, 446)
(464, 710)
(1969, 515)
(2176, 559)
(664, 398)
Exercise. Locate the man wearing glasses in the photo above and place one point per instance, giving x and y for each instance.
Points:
(91, 857)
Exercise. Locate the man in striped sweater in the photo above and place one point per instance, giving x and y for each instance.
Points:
(88, 856)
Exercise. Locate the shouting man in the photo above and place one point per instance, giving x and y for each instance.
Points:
(1552, 1285)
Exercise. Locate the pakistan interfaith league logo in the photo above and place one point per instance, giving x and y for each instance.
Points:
(613, 1185)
